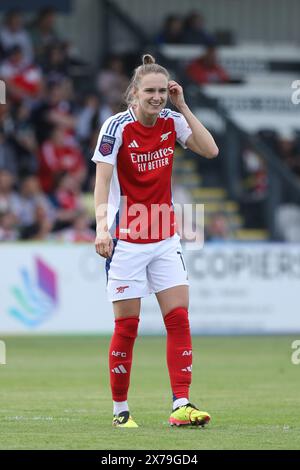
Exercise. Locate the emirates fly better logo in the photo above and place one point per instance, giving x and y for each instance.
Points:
(37, 296)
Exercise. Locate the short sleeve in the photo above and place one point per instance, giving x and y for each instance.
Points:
(183, 130)
(109, 142)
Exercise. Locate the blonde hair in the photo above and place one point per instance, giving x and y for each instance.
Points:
(148, 66)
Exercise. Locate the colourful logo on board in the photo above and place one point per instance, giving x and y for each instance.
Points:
(36, 297)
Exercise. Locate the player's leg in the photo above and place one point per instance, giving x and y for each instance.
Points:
(170, 299)
(174, 307)
(168, 278)
(127, 283)
(120, 357)
(174, 303)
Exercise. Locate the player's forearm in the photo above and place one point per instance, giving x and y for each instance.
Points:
(203, 142)
(101, 202)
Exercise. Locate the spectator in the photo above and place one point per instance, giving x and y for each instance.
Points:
(218, 229)
(89, 148)
(43, 32)
(14, 35)
(287, 220)
(285, 145)
(172, 31)
(9, 199)
(41, 228)
(206, 69)
(31, 198)
(107, 110)
(23, 80)
(112, 81)
(61, 108)
(88, 118)
(66, 199)
(255, 181)
(79, 232)
(195, 32)
(8, 229)
(8, 157)
(55, 110)
(55, 63)
(289, 153)
(24, 141)
(6, 120)
(2, 53)
(57, 156)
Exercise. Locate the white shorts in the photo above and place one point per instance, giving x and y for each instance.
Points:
(136, 270)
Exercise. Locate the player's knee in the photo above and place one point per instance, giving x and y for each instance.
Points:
(127, 327)
(177, 318)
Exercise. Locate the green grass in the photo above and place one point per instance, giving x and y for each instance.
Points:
(55, 394)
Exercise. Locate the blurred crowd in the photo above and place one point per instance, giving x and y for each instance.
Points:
(48, 130)
(186, 30)
(55, 106)
(192, 30)
(286, 145)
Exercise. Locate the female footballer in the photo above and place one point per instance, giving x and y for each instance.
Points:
(136, 229)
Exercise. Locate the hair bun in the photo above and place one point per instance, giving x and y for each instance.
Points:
(148, 59)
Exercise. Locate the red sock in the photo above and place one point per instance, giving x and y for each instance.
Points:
(179, 351)
(120, 356)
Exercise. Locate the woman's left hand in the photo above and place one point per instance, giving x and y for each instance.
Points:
(176, 94)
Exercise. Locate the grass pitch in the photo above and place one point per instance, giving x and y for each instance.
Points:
(55, 394)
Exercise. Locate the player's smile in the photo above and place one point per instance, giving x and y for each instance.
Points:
(157, 105)
(154, 107)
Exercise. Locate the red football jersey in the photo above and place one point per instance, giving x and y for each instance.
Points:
(140, 208)
(55, 160)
